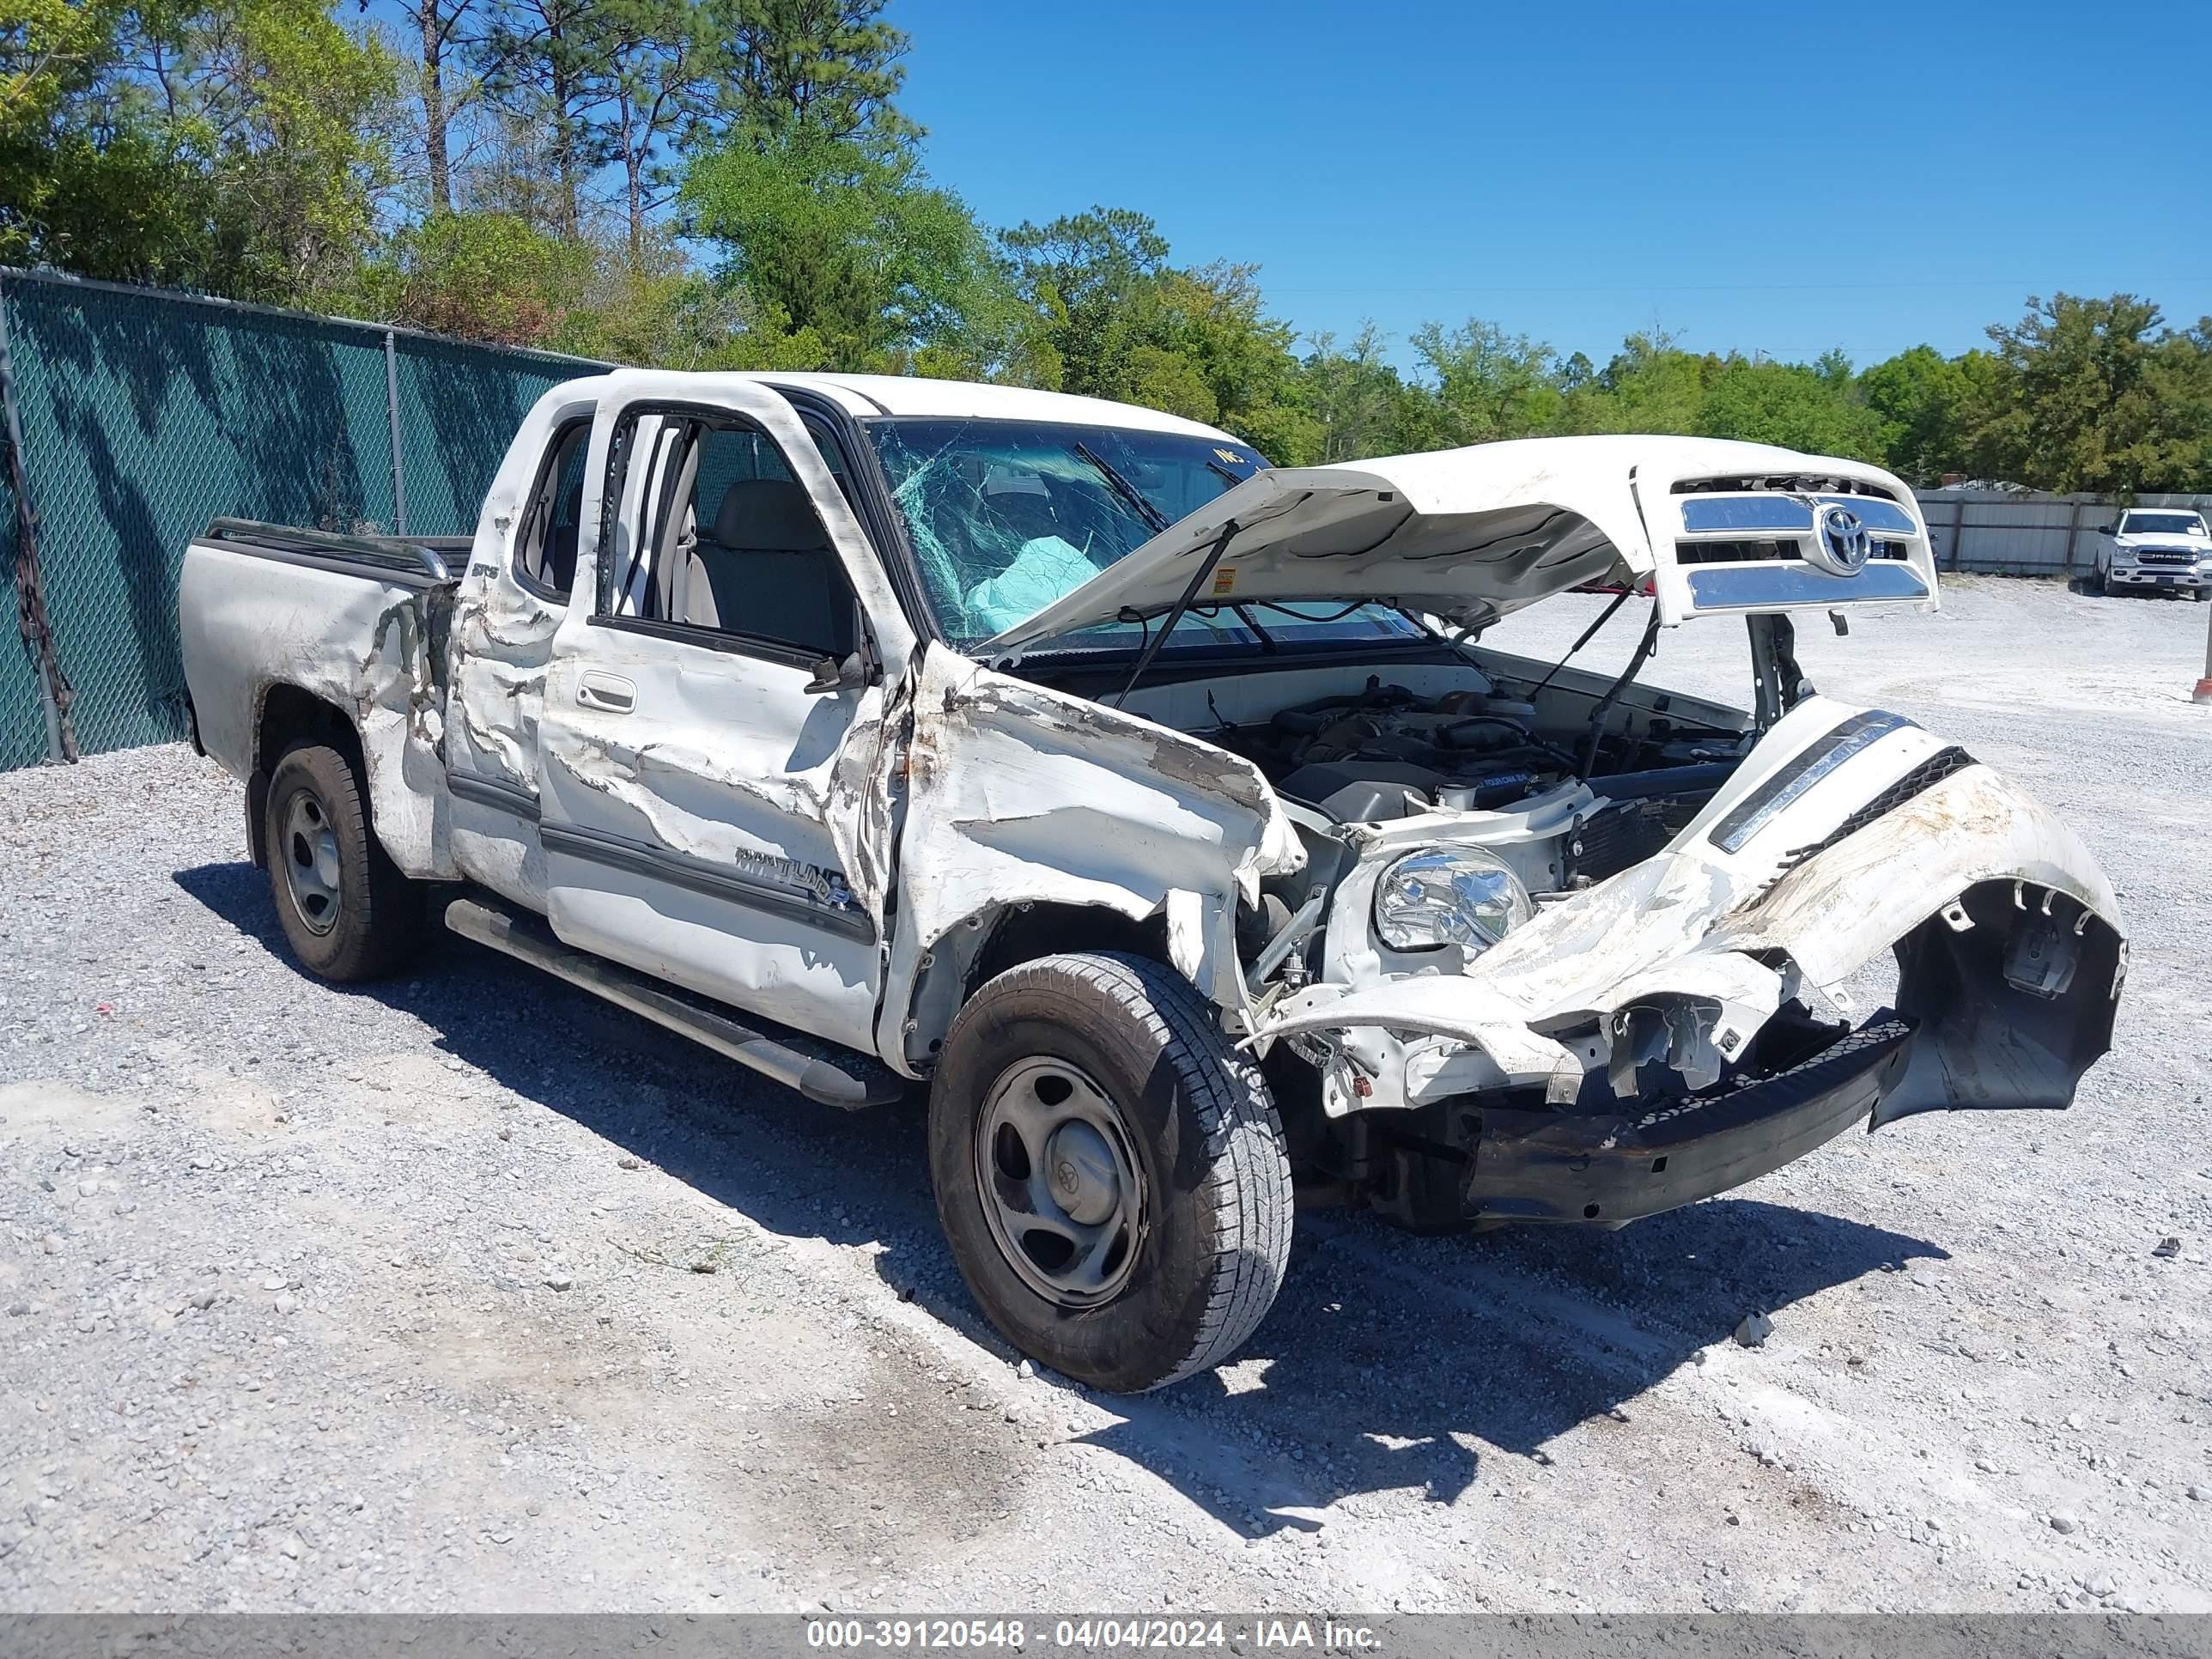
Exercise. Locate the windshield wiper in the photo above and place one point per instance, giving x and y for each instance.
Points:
(1155, 520)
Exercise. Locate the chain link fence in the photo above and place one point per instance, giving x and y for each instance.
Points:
(145, 414)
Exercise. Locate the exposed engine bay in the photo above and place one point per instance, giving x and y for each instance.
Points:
(1628, 777)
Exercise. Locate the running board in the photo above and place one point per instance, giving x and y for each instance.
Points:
(527, 939)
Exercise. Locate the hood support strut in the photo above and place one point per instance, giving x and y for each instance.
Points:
(1197, 579)
(1644, 646)
(1778, 685)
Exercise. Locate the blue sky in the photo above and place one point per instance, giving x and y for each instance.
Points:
(1773, 178)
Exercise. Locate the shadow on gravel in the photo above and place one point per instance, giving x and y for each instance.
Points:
(1389, 1361)
(796, 1168)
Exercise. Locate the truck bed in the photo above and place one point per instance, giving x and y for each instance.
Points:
(358, 624)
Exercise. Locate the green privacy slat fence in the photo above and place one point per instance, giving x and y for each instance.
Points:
(23, 725)
(146, 414)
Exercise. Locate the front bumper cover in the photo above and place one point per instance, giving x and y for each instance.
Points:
(2183, 578)
(1609, 1168)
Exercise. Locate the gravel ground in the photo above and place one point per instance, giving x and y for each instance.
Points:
(464, 1293)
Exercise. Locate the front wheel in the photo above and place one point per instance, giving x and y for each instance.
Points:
(1111, 1173)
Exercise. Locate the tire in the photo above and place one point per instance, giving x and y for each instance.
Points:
(345, 909)
(1204, 1232)
(2101, 585)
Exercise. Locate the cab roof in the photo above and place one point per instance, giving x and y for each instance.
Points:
(866, 395)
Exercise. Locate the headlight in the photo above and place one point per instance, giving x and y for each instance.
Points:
(1449, 896)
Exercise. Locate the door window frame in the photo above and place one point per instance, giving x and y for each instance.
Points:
(615, 485)
(547, 473)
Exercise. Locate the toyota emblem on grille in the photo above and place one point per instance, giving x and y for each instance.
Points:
(1841, 543)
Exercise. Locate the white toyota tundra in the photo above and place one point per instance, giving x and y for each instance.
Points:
(1162, 811)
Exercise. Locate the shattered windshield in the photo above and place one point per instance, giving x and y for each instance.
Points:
(1005, 516)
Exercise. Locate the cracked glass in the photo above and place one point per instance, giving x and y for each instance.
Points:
(1006, 516)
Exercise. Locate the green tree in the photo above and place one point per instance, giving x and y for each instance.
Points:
(1119, 321)
(1810, 407)
(244, 147)
(292, 122)
(847, 242)
(829, 66)
(85, 181)
(1356, 398)
(1488, 384)
(1920, 398)
(550, 63)
(1214, 321)
(1091, 279)
(1648, 385)
(489, 277)
(2094, 395)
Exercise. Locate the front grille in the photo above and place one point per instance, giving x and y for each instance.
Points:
(1791, 484)
(1735, 552)
(2168, 557)
(1744, 552)
(1925, 777)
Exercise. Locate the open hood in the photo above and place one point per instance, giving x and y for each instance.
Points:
(1705, 524)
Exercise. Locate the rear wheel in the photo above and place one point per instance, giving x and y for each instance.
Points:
(347, 911)
(1111, 1173)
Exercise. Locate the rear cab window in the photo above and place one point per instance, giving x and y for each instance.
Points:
(545, 544)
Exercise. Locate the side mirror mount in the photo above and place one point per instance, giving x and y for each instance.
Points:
(831, 675)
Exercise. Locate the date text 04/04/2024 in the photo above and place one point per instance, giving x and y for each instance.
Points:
(1091, 1634)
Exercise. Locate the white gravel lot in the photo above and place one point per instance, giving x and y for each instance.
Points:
(465, 1293)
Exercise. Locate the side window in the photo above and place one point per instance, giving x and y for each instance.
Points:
(546, 545)
(727, 541)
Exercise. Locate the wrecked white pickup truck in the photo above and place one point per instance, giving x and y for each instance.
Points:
(1164, 811)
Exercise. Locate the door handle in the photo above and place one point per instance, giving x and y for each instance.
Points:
(609, 691)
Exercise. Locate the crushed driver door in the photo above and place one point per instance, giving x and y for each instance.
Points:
(708, 733)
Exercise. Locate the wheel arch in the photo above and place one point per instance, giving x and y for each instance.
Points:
(286, 714)
(980, 946)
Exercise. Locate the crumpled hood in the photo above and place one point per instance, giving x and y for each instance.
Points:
(1476, 532)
